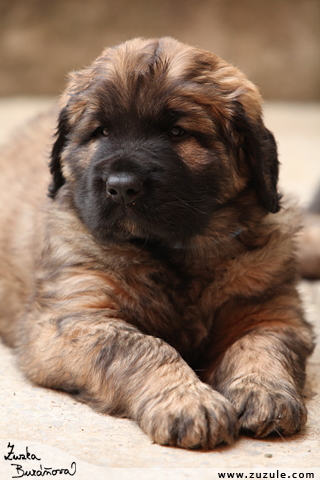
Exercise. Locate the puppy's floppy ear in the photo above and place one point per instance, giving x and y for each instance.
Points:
(260, 151)
(55, 163)
(74, 105)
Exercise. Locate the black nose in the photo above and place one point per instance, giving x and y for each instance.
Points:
(123, 188)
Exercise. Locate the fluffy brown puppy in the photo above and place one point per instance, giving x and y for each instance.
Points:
(157, 280)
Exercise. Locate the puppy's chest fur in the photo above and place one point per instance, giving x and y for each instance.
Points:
(173, 299)
(163, 294)
(160, 292)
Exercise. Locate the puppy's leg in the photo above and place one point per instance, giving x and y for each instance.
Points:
(262, 374)
(116, 369)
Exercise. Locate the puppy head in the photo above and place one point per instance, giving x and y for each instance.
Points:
(155, 136)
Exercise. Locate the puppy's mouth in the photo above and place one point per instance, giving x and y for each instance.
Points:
(129, 223)
(127, 226)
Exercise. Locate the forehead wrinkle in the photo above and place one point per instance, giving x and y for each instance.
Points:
(142, 93)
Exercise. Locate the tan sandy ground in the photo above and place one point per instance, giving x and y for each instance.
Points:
(58, 430)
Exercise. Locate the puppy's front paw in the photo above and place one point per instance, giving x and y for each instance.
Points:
(264, 407)
(193, 416)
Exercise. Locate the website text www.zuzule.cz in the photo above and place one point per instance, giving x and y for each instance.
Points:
(276, 474)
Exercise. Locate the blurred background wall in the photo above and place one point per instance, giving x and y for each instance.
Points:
(275, 42)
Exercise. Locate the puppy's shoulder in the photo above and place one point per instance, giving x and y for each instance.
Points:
(283, 227)
(271, 245)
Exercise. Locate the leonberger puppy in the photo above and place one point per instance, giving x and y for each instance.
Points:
(150, 271)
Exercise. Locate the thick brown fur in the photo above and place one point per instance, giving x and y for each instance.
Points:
(174, 304)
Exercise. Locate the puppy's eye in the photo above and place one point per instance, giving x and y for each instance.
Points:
(176, 132)
(100, 132)
(105, 132)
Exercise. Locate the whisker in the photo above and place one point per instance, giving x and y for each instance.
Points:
(188, 204)
(278, 432)
(144, 244)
